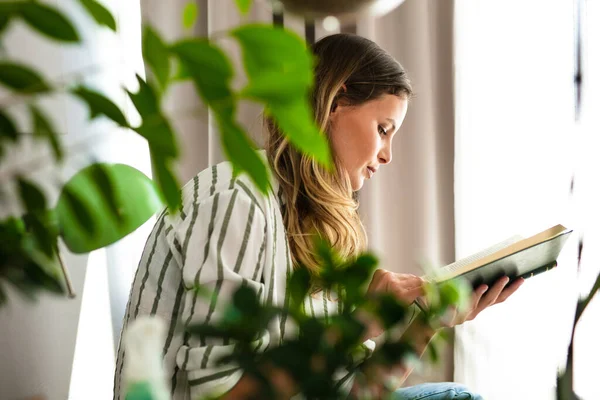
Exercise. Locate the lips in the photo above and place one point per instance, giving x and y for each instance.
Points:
(371, 171)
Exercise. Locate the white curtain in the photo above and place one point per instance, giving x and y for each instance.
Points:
(517, 147)
(408, 209)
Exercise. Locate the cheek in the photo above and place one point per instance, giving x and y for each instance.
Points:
(354, 143)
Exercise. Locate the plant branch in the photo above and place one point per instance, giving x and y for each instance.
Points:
(582, 304)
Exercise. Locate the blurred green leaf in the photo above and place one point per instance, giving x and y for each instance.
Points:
(160, 135)
(7, 127)
(157, 55)
(32, 197)
(390, 311)
(101, 176)
(4, 20)
(43, 129)
(145, 100)
(246, 300)
(181, 72)
(48, 20)
(190, 14)
(240, 150)
(350, 328)
(21, 78)
(166, 180)
(102, 15)
(140, 391)
(297, 123)
(212, 331)
(46, 240)
(274, 87)
(211, 71)
(243, 5)
(299, 286)
(287, 52)
(100, 105)
(282, 78)
(155, 126)
(84, 216)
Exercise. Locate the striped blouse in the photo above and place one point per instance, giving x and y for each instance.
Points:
(227, 233)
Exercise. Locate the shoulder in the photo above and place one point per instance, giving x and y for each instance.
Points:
(218, 182)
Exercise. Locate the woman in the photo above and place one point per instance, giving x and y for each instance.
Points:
(229, 234)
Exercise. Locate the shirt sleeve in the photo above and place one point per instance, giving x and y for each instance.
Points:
(222, 243)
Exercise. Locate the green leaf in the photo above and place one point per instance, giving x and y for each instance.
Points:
(297, 123)
(101, 176)
(299, 285)
(45, 238)
(21, 78)
(43, 128)
(155, 126)
(240, 151)
(81, 206)
(181, 72)
(211, 71)
(49, 21)
(7, 127)
(156, 54)
(4, 20)
(275, 87)
(160, 135)
(287, 52)
(81, 212)
(190, 14)
(145, 100)
(246, 301)
(167, 182)
(142, 390)
(243, 5)
(282, 78)
(100, 105)
(33, 199)
(100, 13)
(389, 310)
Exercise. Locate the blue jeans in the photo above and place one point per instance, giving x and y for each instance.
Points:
(435, 391)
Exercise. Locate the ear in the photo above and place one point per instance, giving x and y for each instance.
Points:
(336, 100)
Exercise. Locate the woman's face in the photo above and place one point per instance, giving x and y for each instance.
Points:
(361, 136)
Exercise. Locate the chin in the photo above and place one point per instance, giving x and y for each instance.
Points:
(357, 184)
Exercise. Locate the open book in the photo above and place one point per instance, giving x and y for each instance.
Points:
(515, 257)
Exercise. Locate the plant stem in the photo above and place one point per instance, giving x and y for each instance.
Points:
(65, 272)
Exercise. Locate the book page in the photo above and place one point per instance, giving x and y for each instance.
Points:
(455, 266)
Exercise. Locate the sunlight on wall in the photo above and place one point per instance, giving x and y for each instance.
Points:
(94, 360)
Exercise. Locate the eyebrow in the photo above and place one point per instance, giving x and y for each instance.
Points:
(391, 120)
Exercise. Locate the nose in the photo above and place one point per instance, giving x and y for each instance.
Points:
(385, 155)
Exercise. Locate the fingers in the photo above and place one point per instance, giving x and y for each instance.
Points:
(405, 287)
(475, 299)
(497, 294)
(492, 294)
(508, 291)
(408, 295)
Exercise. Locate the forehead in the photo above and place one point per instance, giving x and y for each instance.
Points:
(388, 106)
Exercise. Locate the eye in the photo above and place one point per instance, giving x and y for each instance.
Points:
(382, 130)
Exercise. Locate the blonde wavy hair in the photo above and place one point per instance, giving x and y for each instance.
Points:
(352, 70)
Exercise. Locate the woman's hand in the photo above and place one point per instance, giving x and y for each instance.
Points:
(483, 298)
(404, 287)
